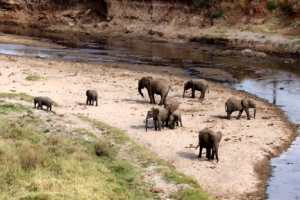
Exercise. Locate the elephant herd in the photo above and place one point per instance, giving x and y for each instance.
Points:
(169, 115)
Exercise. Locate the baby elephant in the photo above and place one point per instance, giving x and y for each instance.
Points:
(175, 117)
(92, 96)
(159, 115)
(43, 101)
(235, 104)
(210, 140)
(199, 85)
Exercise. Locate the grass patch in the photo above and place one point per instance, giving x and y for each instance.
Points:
(22, 96)
(190, 194)
(10, 107)
(272, 5)
(218, 13)
(34, 77)
(83, 132)
(34, 165)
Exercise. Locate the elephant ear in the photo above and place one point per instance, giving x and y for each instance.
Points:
(155, 112)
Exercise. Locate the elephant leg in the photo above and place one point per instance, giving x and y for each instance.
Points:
(228, 114)
(162, 99)
(217, 156)
(96, 102)
(208, 153)
(87, 101)
(159, 123)
(247, 112)
(240, 113)
(212, 154)
(193, 93)
(200, 151)
(180, 122)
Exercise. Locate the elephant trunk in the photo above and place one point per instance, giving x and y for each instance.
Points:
(183, 93)
(254, 112)
(140, 90)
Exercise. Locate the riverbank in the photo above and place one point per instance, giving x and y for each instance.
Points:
(245, 149)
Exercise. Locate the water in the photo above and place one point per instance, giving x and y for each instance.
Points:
(272, 80)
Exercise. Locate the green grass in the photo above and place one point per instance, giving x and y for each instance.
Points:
(271, 4)
(9, 107)
(34, 77)
(23, 96)
(35, 165)
(218, 13)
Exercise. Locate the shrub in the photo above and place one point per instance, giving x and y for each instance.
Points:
(199, 3)
(102, 148)
(218, 13)
(272, 5)
(33, 77)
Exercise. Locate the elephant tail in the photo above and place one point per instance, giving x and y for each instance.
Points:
(207, 89)
(197, 146)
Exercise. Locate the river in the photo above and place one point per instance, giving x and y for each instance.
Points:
(275, 81)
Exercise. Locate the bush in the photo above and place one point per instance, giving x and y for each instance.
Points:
(218, 13)
(199, 3)
(272, 5)
(102, 148)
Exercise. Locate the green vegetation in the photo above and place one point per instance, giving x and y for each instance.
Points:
(21, 96)
(24, 97)
(34, 165)
(272, 5)
(9, 107)
(33, 77)
(199, 3)
(218, 13)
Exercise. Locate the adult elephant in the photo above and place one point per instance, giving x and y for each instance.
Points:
(154, 86)
(199, 85)
(236, 104)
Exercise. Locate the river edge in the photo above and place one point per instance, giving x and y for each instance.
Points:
(262, 172)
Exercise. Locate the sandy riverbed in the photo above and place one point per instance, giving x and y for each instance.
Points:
(245, 149)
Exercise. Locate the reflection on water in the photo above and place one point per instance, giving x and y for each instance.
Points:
(274, 81)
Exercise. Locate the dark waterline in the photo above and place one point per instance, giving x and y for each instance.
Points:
(274, 81)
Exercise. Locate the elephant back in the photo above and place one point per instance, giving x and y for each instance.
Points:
(171, 104)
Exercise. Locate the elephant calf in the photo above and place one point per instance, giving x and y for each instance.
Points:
(210, 140)
(174, 118)
(171, 104)
(43, 101)
(159, 115)
(92, 96)
(235, 104)
(199, 85)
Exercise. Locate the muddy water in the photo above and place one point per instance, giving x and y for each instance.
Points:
(269, 79)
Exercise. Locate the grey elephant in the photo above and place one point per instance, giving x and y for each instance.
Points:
(236, 104)
(171, 104)
(91, 96)
(43, 101)
(157, 86)
(159, 115)
(199, 85)
(210, 140)
(174, 118)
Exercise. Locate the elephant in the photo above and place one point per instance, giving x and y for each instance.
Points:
(159, 115)
(171, 104)
(210, 140)
(43, 101)
(92, 96)
(175, 117)
(199, 85)
(236, 104)
(154, 86)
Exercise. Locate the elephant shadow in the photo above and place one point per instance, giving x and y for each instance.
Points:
(81, 104)
(139, 127)
(142, 101)
(220, 116)
(187, 155)
(191, 156)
